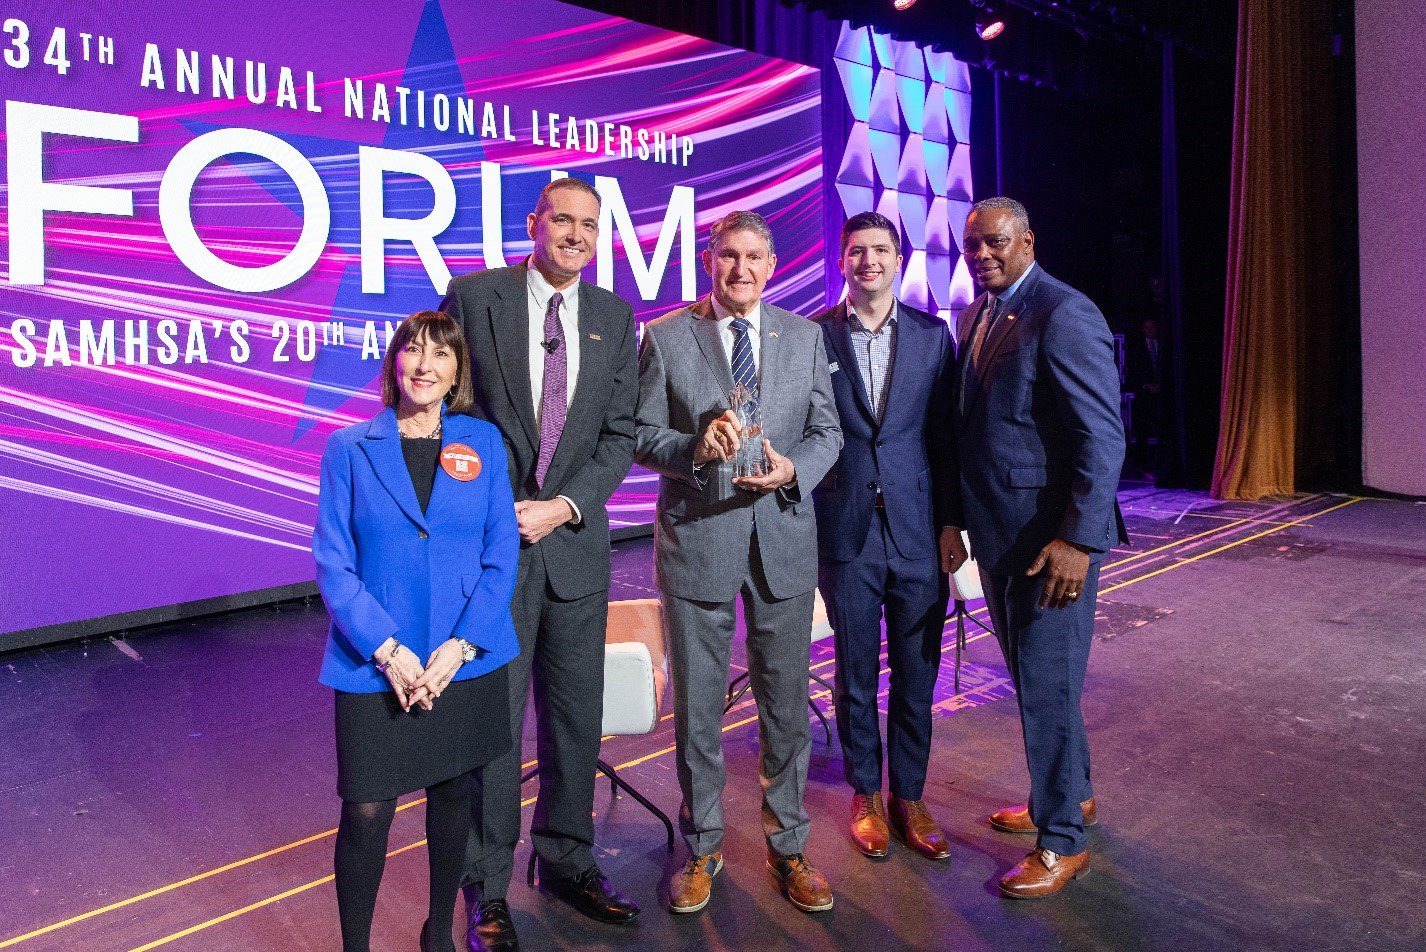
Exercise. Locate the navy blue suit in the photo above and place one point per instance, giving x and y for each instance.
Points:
(872, 557)
(1040, 445)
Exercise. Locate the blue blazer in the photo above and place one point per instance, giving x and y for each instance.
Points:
(385, 569)
(909, 454)
(1039, 435)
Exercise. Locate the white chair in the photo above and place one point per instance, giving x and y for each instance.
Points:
(821, 628)
(635, 675)
(965, 587)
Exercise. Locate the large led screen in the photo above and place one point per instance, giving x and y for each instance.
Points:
(215, 213)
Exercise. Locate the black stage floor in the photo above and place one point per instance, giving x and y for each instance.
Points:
(1255, 703)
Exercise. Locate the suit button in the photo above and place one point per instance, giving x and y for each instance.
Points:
(871, 485)
(423, 534)
(881, 442)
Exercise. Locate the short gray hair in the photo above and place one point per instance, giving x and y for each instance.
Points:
(740, 221)
(1001, 203)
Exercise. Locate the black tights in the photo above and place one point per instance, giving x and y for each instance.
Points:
(361, 858)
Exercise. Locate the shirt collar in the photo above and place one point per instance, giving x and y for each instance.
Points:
(725, 317)
(856, 322)
(543, 290)
(1009, 292)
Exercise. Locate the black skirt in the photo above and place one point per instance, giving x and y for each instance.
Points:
(384, 752)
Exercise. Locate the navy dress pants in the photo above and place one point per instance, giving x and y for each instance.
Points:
(1047, 651)
(914, 593)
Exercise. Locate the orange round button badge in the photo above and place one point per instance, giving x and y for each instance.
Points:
(460, 462)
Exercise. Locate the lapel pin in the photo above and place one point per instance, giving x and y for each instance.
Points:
(772, 333)
(595, 337)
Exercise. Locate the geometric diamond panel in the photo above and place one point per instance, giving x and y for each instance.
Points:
(886, 154)
(885, 112)
(856, 198)
(885, 49)
(908, 157)
(958, 185)
(935, 125)
(912, 93)
(856, 83)
(938, 231)
(853, 44)
(913, 217)
(856, 161)
(911, 174)
(938, 161)
(958, 112)
(915, 289)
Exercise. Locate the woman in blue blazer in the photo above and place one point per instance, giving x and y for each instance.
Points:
(416, 547)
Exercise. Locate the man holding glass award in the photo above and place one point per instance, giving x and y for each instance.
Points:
(737, 416)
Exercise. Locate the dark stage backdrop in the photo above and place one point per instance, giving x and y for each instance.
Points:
(1391, 128)
(214, 216)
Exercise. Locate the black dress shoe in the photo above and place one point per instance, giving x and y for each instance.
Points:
(489, 927)
(434, 941)
(593, 895)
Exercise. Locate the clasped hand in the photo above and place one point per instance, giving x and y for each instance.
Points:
(418, 685)
(721, 440)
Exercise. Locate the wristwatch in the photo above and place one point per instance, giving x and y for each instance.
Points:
(468, 651)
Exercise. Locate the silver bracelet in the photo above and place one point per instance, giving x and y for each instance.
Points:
(382, 665)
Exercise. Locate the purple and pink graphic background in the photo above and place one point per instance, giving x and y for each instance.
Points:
(130, 487)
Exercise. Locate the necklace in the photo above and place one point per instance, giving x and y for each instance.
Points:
(434, 433)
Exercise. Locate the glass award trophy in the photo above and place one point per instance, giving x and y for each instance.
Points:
(750, 459)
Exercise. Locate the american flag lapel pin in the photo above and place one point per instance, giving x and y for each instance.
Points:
(595, 337)
(772, 333)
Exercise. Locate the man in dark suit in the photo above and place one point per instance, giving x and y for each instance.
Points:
(1039, 446)
(883, 518)
(555, 368)
(721, 537)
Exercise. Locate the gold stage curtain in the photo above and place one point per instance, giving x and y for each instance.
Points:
(1276, 232)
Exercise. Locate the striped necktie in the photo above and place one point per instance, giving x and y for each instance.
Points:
(745, 369)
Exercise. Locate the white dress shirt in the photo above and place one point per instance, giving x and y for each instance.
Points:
(538, 294)
(729, 336)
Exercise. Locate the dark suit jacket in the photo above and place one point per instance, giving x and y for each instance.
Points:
(386, 568)
(1040, 442)
(596, 448)
(909, 454)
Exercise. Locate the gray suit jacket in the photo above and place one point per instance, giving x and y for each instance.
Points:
(684, 381)
(596, 447)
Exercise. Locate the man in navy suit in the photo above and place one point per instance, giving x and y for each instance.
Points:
(1039, 447)
(883, 541)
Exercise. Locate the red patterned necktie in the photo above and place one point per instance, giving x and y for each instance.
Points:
(554, 399)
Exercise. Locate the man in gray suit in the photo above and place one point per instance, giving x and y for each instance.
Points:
(554, 366)
(718, 537)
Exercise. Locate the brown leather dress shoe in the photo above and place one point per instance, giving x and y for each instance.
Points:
(691, 886)
(1017, 819)
(803, 886)
(1043, 874)
(915, 827)
(869, 824)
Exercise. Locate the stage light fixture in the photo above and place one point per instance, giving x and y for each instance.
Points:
(989, 28)
(903, 4)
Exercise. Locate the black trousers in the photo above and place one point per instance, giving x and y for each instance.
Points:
(562, 658)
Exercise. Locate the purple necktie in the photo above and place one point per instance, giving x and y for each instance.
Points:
(554, 400)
